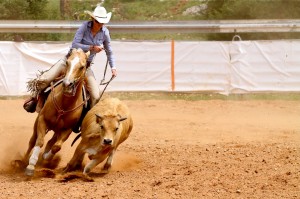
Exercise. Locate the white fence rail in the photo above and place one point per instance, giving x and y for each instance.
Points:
(201, 26)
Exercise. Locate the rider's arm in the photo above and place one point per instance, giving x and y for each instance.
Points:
(79, 37)
(108, 49)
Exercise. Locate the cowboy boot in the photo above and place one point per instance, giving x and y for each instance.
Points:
(30, 104)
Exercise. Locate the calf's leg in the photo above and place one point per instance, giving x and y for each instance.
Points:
(92, 164)
(109, 161)
(76, 161)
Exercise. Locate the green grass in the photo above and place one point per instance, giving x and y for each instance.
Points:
(150, 10)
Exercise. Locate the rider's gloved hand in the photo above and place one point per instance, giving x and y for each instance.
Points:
(114, 72)
(96, 49)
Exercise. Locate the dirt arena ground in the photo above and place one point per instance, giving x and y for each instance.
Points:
(177, 149)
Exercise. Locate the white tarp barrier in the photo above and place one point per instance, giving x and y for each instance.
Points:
(20, 62)
(264, 66)
(142, 66)
(201, 66)
(222, 67)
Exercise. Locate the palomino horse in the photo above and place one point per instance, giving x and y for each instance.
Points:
(60, 113)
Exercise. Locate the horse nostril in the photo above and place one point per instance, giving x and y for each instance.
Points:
(107, 141)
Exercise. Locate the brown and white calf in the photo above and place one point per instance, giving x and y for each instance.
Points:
(104, 128)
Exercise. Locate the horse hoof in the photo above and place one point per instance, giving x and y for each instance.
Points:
(104, 171)
(67, 169)
(29, 171)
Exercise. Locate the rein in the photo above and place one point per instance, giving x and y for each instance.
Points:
(103, 79)
(106, 84)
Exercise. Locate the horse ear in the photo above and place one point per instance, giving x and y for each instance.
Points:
(87, 53)
(99, 118)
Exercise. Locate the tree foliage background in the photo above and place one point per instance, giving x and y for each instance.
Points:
(152, 10)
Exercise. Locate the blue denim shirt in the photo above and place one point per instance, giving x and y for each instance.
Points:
(84, 39)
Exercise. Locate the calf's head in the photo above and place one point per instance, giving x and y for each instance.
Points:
(109, 128)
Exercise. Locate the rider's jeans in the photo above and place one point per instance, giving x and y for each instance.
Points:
(92, 86)
(48, 76)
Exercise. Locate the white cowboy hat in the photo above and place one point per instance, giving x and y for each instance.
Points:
(100, 14)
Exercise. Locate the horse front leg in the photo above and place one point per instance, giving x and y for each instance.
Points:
(48, 155)
(61, 137)
(31, 144)
(40, 131)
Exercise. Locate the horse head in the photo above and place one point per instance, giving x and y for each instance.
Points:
(75, 70)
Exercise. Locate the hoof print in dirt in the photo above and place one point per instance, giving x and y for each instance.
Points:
(74, 176)
(46, 173)
(18, 165)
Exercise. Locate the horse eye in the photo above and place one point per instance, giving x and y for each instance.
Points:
(117, 129)
(101, 126)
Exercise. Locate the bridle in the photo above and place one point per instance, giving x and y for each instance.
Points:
(75, 84)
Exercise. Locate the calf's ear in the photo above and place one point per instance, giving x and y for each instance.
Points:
(121, 118)
(99, 118)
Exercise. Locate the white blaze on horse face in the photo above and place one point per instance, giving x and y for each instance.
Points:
(73, 64)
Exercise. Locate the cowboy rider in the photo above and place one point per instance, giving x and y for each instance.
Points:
(91, 36)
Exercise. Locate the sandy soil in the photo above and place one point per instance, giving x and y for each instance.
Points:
(177, 149)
